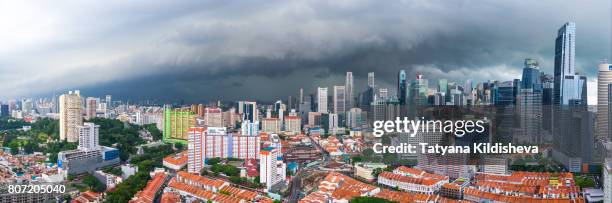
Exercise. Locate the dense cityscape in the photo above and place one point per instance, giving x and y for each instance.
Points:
(318, 145)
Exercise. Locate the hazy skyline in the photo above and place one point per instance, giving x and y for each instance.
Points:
(204, 50)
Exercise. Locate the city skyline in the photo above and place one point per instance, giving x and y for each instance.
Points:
(172, 54)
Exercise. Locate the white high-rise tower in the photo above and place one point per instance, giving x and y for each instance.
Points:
(349, 88)
(322, 99)
(604, 78)
(89, 134)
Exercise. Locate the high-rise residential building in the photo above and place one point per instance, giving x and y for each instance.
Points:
(71, 116)
(200, 110)
(249, 128)
(271, 125)
(402, 87)
(176, 124)
(340, 99)
(604, 79)
(371, 81)
(293, 125)
(271, 169)
(195, 153)
(350, 89)
(213, 117)
(90, 108)
(89, 134)
(216, 142)
(322, 100)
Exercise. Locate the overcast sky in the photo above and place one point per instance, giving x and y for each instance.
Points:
(206, 50)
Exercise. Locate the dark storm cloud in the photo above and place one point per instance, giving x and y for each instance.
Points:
(194, 50)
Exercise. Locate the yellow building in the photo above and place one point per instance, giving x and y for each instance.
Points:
(176, 124)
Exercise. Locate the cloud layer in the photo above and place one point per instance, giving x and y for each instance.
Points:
(205, 50)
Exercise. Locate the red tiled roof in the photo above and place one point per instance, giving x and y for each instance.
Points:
(200, 179)
(153, 186)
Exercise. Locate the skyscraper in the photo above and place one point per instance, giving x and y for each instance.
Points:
(322, 99)
(401, 87)
(248, 110)
(531, 75)
(564, 73)
(301, 95)
(604, 78)
(90, 108)
(417, 95)
(569, 101)
(71, 109)
(547, 101)
(89, 136)
(371, 81)
(109, 101)
(4, 111)
(383, 93)
(340, 99)
(443, 88)
(349, 88)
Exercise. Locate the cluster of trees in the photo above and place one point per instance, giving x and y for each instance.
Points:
(113, 170)
(155, 133)
(11, 124)
(584, 181)
(232, 172)
(36, 140)
(536, 163)
(151, 158)
(377, 171)
(93, 183)
(125, 135)
(226, 169)
(128, 188)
